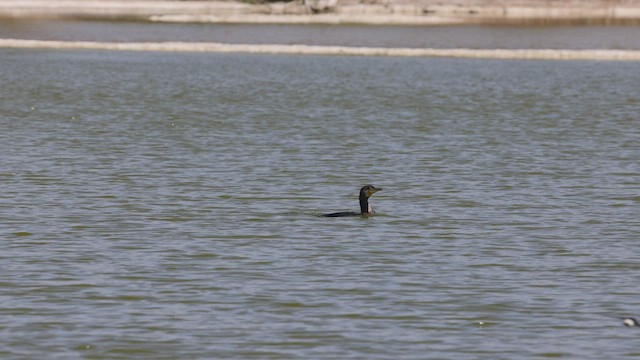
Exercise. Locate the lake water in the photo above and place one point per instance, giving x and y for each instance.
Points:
(165, 206)
(441, 37)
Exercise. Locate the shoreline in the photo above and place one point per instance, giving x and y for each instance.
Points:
(394, 12)
(334, 12)
(212, 47)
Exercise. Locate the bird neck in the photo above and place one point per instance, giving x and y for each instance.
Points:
(364, 204)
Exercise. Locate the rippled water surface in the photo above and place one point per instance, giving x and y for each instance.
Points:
(164, 206)
(471, 37)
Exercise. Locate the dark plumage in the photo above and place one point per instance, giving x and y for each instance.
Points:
(365, 194)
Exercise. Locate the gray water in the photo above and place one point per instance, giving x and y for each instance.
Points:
(442, 37)
(165, 206)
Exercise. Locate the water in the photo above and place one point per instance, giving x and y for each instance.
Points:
(165, 206)
(442, 37)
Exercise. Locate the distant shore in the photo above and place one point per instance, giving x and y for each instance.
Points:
(391, 12)
(209, 47)
(376, 12)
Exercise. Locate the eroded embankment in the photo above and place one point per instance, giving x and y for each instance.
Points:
(387, 12)
(524, 54)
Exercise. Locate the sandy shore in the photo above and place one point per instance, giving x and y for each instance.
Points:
(526, 54)
(376, 12)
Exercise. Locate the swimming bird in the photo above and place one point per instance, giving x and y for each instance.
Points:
(365, 208)
(630, 321)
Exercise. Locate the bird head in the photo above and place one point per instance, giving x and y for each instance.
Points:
(369, 190)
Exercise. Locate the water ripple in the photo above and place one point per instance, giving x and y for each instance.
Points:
(166, 207)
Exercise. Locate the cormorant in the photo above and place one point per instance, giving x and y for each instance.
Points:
(365, 193)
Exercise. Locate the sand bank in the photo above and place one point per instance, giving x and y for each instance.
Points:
(388, 12)
(527, 54)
